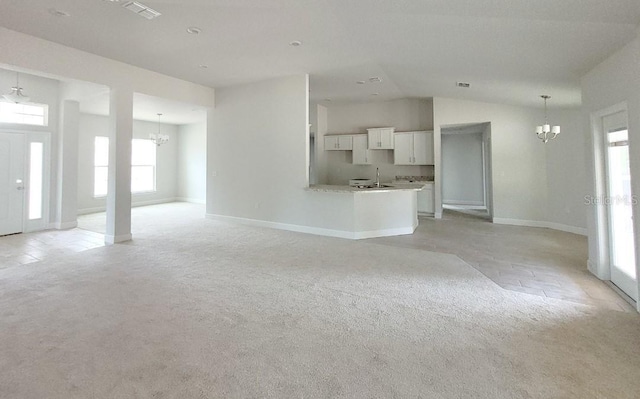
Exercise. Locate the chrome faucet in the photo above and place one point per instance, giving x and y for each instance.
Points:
(377, 177)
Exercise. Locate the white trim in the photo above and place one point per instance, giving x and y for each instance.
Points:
(569, 229)
(357, 235)
(86, 211)
(601, 272)
(463, 202)
(437, 215)
(109, 239)
(66, 225)
(542, 224)
(191, 200)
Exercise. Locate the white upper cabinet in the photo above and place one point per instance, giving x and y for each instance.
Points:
(381, 138)
(338, 142)
(361, 150)
(413, 148)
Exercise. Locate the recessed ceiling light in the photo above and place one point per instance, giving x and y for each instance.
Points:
(203, 66)
(58, 13)
(194, 30)
(463, 84)
(360, 82)
(327, 99)
(375, 79)
(375, 94)
(295, 43)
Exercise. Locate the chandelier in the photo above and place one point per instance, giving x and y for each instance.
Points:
(158, 138)
(16, 95)
(546, 132)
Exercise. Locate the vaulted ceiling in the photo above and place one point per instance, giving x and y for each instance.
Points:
(510, 51)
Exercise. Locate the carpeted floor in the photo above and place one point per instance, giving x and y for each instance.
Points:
(196, 308)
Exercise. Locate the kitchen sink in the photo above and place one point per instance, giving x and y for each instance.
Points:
(370, 187)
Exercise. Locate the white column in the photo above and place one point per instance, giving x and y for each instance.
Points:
(67, 206)
(118, 227)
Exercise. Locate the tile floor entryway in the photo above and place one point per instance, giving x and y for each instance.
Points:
(22, 249)
(530, 260)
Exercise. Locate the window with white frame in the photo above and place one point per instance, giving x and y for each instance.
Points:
(143, 166)
(101, 166)
(24, 114)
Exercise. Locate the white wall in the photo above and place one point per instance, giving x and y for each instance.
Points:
(192, 162)
(462, 169)
(257, 150)
(403, 114)
(567, 172)
(518, 157)
(615, 81)
(343, 118)
(166, 162)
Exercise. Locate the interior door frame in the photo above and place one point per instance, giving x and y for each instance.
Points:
(601, 265)
(23, 178)
(28, 138)
(610, 232)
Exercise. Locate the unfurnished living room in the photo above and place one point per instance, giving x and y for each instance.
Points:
(319, 199)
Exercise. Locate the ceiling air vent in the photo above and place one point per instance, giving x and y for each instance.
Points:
(463, 84)
(141, 9)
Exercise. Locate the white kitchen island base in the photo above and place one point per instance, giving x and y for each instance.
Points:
(366, 213)
(341, 211)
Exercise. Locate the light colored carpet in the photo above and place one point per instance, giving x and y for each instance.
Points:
(195, 308)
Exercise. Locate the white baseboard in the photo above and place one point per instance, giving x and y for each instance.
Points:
(462, 202)
(109, 239)
(66, 225)
(153, 202)
(315, 230)
(86, 211)
(191, 200)
(536, 223)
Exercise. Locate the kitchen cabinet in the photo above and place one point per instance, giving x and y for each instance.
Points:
(426, 202)
(338, 142)
(361, 154)
(381, 138)
(413, 148)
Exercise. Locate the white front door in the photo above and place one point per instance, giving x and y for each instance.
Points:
(11, 183)
(620, 204)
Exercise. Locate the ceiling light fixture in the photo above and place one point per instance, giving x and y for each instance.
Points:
(360, 82)
(543, 131)
(158, 138)
(375, 94)
(203, 66)
(194, 30)
(464, 85)
(375, 79)
(16, 95)
(295, 43)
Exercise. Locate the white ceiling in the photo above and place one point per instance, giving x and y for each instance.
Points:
(511, 51)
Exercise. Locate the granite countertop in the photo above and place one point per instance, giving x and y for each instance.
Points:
(349, 189)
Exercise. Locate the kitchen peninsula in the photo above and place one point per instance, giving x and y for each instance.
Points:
(373, 212)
